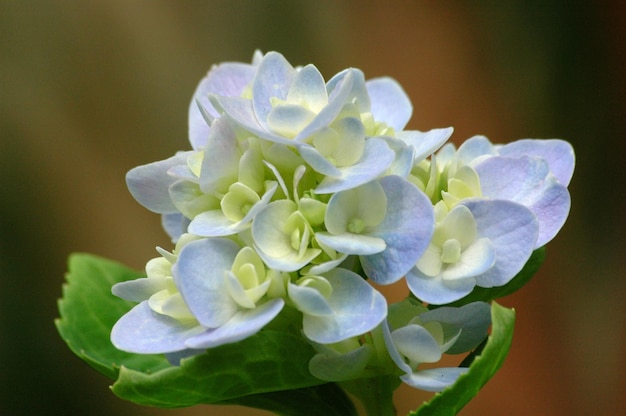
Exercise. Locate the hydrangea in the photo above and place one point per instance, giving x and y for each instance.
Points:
(298, 191)
(494, 205)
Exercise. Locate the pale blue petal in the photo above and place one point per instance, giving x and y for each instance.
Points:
(433, 379)
(527, 180)
(174, 225)
(143, 331)
(389, 102)
(273, 79)
(289, 119)
(149, 184)
(318, 162)
(349, 243)
(309, 300)
(403, 161)
(407, 229)
(221, 159)
(425, 143)
(358, 308)
(308, 87)
(242, 325)
(392, 350)
(474, 148)
(199, 274)
(377, 157)
(228, 79)
(357, 91)
(435, 290)
(472, 319)
(416, 343)
(337, 99)
(558, 153)
(328, 265)
(512, 229)
(138, 290)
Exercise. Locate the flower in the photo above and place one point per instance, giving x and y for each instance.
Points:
(494, 205)
(298, 192)
(411, 335)
(478, 243)
(414, 335)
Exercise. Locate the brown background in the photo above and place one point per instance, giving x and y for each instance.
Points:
(90, 89)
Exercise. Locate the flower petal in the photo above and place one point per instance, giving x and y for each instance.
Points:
(528, 181)
(358, 308)
(350, 243)
(272, 80)
(199, 274)
(228, 79)
(558, 153)
(425, 143)
(434, 379)
(512, 229)
(309, 300)
(149, 184)
(138, 290)
(389, 102)
(376, 158)
(143, 331)
(472, 319)
(407, 230)
(435, 290)
(416, 343)
(240, 326)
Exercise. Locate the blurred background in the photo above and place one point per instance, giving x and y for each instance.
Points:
(89, 90)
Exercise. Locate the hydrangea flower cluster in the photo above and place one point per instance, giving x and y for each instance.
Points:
(299, 191)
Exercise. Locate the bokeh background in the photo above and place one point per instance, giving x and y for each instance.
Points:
(91, 89)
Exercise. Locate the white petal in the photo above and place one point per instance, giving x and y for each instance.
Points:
(477, 258)
(273, 78)
(149, 183)
(512, 229)
(199, 274)
(558, 153)
(434, 379)
(139, 289)
(376, 159)
(407, 229)
(309, 300)
(358, 308)
(143, 331)
(425, 143)
(417, 344)
(242, 325)
(528, 181)
(350, 243)
(389, 102)
(435, 290)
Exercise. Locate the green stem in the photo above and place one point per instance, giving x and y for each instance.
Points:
(375, 393)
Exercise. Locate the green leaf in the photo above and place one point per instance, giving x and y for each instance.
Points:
(266, 362)
(268, 370)
(88, 311)
(489, 294)
(325, 400)
(450, 401)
